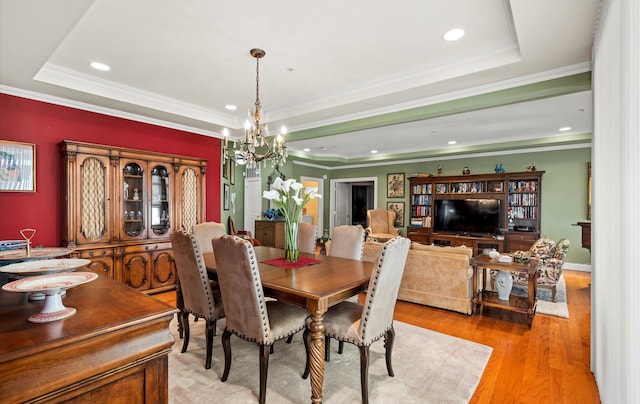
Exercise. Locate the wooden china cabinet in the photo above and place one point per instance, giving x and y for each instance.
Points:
(120, 206)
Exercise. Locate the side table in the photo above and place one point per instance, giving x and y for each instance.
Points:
(489, 298)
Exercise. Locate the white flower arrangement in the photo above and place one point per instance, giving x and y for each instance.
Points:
(286, 197)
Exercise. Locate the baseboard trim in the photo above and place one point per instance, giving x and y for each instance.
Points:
(577, 267)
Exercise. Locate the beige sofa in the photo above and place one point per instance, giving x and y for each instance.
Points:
(434, 276)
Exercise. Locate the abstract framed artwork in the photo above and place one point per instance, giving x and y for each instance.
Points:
(395, 185)
(17, 166)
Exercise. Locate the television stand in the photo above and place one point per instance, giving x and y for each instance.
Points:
(478, 243)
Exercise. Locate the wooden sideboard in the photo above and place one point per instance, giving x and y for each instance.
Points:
(270, 233)
(114, 349)
(586, 234)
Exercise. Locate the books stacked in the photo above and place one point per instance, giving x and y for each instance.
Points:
(12, 244)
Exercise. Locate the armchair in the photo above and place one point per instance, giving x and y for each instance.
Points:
(380, 224)
(550, 256)
(245, 234)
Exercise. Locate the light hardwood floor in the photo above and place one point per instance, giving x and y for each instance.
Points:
(548, 363)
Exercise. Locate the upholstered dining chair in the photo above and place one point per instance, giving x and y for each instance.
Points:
(248, 315)
(245, 234)
(307, 238)
(362, 325)
(199, 298)
(346, 242)
(380, 224)
(206, 231)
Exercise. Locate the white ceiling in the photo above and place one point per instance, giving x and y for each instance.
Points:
(330, 62)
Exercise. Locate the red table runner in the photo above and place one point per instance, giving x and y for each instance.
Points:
(280, 262)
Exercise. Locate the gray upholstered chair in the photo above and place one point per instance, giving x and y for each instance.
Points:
(247, 313)
(380, 224)
(307, 238)
(362, 325)
(346, 242)
(199, 298)
(205, 231)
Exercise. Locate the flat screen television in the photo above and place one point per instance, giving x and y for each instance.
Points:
(467, 216)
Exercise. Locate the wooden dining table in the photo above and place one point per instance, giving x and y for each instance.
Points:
(315, 287)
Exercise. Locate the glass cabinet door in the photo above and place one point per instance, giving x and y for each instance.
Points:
(160, 197)
(133, 215)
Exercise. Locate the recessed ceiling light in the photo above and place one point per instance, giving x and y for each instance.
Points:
(374, 151)
(453, 35)
(100, 66)
(230, 107)
(306, 149)
(565, 128)
(452, 142)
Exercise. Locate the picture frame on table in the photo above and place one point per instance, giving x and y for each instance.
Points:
(17, 166)
(395, 185)
(225, 197)
(397, 207)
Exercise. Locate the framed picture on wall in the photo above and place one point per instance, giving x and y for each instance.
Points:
(225, 168)
(232, 172)
(397, 207)
(395, 185)
(17, 166)
(225, 197)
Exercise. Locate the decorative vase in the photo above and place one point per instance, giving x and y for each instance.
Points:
(504, 283)
(291, 252)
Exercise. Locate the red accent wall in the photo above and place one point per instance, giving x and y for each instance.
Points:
(46, 125)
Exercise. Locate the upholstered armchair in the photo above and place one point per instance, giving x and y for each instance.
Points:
(380, 224)
(362, 325)
(199, 298)
(550, 256)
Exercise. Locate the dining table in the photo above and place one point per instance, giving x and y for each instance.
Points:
(317, 286)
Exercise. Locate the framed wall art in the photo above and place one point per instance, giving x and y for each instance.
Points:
(225, 197)
(395, 185)
(17, 166)
(397, 207)
(232, 172)
(225, 168)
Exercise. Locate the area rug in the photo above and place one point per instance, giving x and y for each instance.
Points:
(545, 305)
(429, 367)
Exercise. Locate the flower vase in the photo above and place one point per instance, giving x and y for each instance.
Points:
(291, 252)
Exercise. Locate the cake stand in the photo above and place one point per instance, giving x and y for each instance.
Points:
(43, 267)
(52, 286)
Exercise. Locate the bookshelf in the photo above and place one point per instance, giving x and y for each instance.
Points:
(520, 200)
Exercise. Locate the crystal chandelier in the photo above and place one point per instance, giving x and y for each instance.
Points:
(257, 145)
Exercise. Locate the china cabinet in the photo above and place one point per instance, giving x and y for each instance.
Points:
(120, 206)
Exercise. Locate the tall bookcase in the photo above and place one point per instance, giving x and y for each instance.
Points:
(520, 196)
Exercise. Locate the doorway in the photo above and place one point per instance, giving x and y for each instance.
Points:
(350, 198)
(313, 212)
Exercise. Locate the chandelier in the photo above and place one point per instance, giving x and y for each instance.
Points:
(257, 145)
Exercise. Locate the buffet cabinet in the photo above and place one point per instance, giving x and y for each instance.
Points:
(518, 195)
(120, 206)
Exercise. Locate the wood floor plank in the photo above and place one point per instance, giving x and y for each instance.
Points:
(549, 363)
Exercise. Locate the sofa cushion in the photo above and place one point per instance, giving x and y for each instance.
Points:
(434, 248)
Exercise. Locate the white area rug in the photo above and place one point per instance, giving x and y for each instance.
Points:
(545, 305)
(429, 367)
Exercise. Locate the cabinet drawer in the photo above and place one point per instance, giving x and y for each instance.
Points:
(145, 247)
(99, 252)
(520, 241)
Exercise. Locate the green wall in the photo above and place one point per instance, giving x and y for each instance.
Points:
(564, 186)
